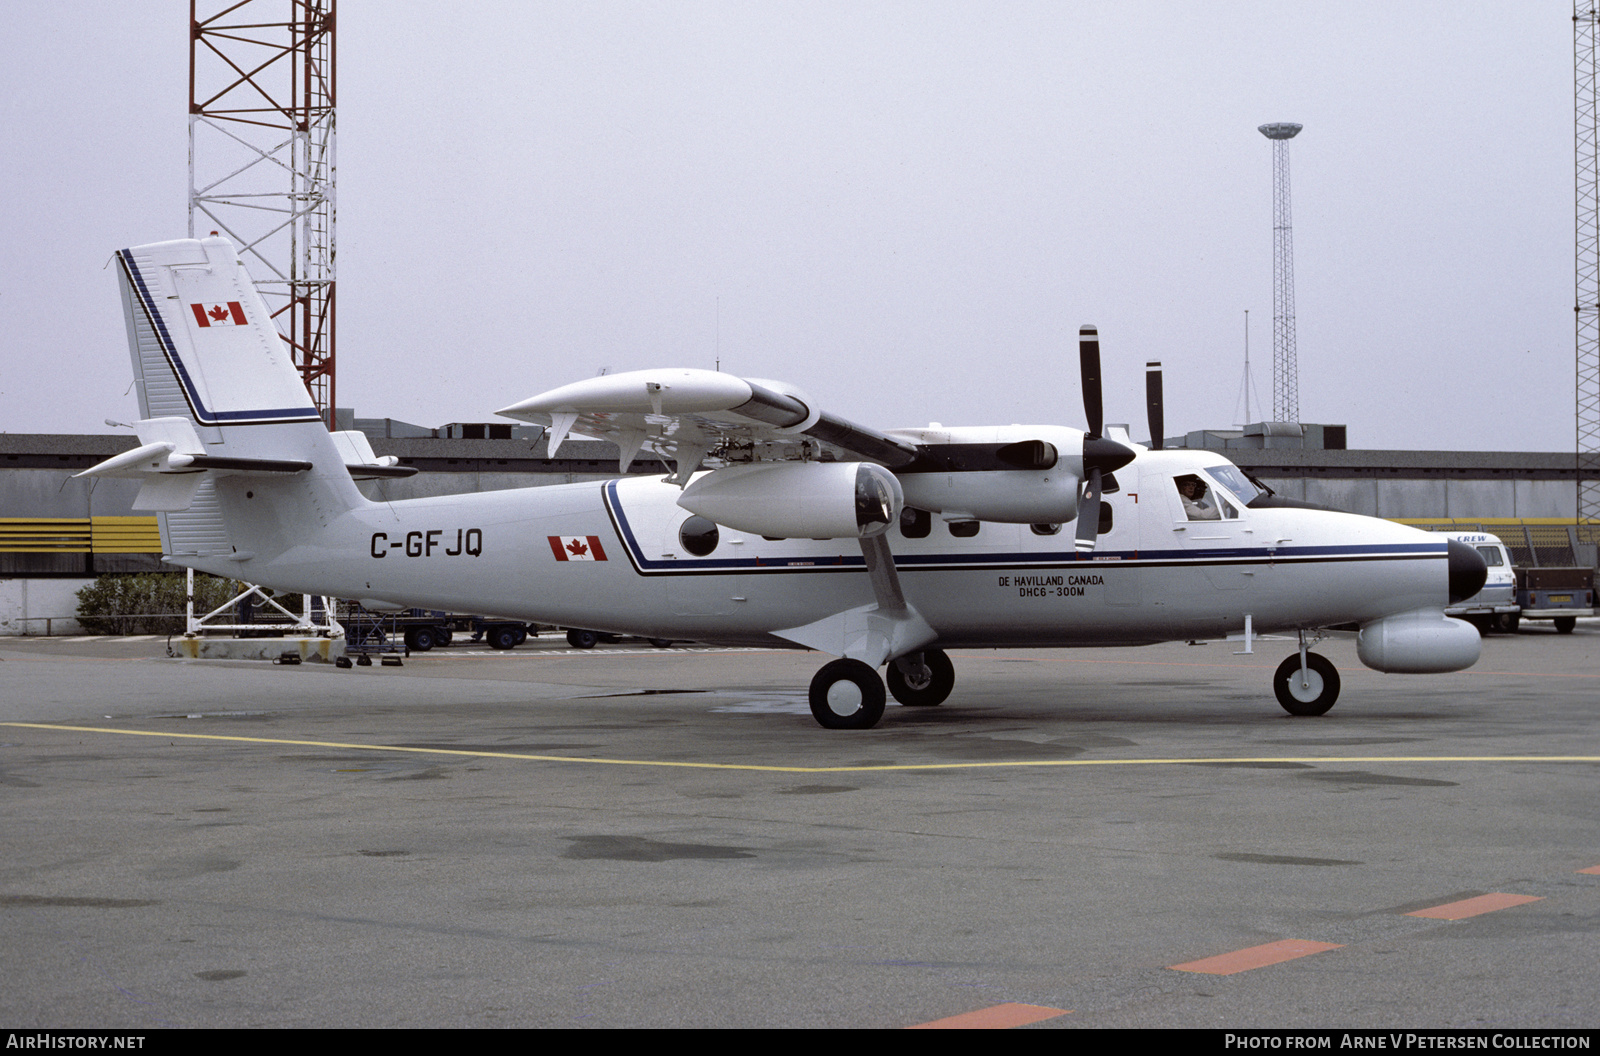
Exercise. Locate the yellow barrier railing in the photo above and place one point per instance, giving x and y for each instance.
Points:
(79, 535)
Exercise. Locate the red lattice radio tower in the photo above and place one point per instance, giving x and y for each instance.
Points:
(261, 160)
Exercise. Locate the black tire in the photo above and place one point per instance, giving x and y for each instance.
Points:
(421, 639)
(661, 643)
(1510, 622)
(1312, 699)
(503, 636)
(1566, 624)
(522, 635)
(926, 693)
(847, 695)
(445, 636)
(580, 639)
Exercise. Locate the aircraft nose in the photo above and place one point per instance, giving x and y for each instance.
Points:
(1467, 571)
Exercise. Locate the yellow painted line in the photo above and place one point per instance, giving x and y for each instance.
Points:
(1015, 763)
(995, 1017)
(1255, 957)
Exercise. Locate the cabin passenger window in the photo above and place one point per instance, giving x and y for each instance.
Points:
(698, 536)
(1105, 518)
(964, 529)
(915, 523)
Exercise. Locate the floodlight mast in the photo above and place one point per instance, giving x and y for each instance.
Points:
(1586, 255)
(1285, 369)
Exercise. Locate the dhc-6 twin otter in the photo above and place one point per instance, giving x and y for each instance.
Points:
(782, 525)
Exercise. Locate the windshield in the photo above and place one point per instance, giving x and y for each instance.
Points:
(1233, 478)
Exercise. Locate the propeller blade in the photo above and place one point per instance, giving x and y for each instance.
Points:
(1089, 514)
(1152, 399)
(1089, 364)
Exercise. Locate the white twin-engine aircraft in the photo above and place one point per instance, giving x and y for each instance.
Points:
(783, 525)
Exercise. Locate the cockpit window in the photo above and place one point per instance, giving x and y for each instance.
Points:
(1233, 478)
(1198, 502)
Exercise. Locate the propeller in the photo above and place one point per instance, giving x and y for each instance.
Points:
(1152, 403)
(1089, 367)
(1099, 454)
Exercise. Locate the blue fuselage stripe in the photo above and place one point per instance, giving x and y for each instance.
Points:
(1035, 558)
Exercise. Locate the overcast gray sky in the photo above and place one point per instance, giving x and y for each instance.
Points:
(905, 208)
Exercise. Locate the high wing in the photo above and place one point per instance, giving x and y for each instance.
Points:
(768, 444)
(693, 417)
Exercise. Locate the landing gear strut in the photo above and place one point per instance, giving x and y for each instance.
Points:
(847, 694)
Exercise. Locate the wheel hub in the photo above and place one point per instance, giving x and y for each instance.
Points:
(1305, 685)
(844, 698)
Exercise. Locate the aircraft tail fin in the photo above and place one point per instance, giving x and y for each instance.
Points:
(230, 441)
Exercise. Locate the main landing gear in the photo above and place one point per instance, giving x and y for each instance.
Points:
(922, 679)
(849, 695)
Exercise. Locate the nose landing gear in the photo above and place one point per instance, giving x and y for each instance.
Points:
(1306, 684)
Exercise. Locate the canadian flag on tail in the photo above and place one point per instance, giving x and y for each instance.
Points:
(577, 548)
(230, 314)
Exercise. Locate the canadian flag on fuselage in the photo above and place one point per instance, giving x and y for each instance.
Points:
(230, 314)
(577, 548)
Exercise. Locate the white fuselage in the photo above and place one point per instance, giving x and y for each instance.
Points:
(1155, 574)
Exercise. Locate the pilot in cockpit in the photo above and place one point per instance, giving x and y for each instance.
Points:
(1197, 505)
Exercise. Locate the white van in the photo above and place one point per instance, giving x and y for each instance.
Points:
(1494, 608)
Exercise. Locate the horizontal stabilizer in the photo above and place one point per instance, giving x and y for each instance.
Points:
(365, 464)
(166, 445)
(171, 462)
(249, 466)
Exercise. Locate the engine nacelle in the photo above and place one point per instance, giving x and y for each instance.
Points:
(1011, 496)
(799, 500)
(1422, 642)
(1013, 474)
